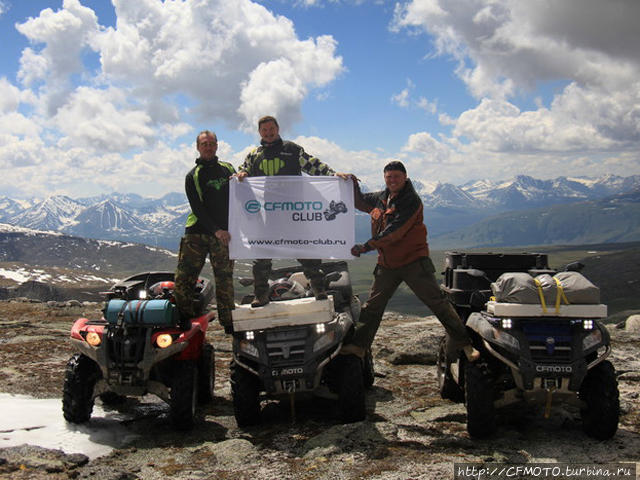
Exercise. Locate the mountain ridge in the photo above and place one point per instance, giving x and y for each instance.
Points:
(160, 222)
(612, 219)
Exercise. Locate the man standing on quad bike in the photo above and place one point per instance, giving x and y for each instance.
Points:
(206, 232)
(400, 236)
(275, 156)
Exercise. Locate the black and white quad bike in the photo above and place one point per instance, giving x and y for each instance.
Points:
(528, 353)
(290, 346)
(140, 347)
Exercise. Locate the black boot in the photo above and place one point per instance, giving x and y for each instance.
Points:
(260, 299)
(184, 321)
(261, 272)
(317, 286)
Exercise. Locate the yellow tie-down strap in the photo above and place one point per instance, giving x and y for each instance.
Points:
(560, 296)
(541, 295)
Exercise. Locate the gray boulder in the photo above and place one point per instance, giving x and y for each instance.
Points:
(633, 324)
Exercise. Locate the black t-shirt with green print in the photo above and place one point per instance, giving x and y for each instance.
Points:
(207, 188)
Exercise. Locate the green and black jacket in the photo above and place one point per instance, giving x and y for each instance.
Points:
(282, 158)
(207, 187)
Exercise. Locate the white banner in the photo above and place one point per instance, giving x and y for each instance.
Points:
(291, 217)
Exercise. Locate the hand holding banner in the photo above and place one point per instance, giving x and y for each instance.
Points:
(291, 217)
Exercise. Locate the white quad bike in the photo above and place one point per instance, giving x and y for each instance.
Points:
(291, 346)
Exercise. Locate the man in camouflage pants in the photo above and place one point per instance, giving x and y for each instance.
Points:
(206, 233)
(275, 156)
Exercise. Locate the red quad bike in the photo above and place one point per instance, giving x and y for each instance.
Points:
(140, 346)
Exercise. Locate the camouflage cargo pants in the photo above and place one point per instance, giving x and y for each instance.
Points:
(194, 249)
(420, 278)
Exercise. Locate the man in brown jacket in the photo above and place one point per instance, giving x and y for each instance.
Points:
(400, 236)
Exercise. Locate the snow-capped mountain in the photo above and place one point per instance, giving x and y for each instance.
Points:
(125, 217)
(447, 195)
(160, 222)
(10, 207)
(612, 184)
(422, 187)
(106, 216)
(54, 213)
(528, 192)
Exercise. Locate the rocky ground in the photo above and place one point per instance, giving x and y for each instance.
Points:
(410, 432)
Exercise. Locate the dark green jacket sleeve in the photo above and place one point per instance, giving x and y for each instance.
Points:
(197, 207)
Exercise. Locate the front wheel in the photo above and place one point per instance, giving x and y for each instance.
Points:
(206, 374)
(599, 391)
(479, 389)
(447, 386)
(245, 391)
(351, 389)
(80, 378)
(183, 395)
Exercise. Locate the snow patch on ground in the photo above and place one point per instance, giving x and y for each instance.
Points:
(36, 421)
(21, 275)
(7, 228)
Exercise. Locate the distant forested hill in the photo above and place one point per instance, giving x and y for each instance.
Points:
(613, 219)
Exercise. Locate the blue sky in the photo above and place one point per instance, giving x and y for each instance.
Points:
(99, 96)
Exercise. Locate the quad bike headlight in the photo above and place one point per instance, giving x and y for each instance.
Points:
(591, 340)
(164, 340)
(587, 324)
(93, 339)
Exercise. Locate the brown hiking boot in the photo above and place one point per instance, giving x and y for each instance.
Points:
(260, 300)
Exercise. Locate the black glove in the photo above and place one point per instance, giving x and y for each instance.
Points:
(359, 248)
(228, 329)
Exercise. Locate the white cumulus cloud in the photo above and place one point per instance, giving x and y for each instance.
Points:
(509, 48)
(227, 57)
(103, 120)
(65, 34)
(9, 96)
(229, 62)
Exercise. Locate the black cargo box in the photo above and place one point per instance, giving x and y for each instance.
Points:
(493, 264)
(459, 284)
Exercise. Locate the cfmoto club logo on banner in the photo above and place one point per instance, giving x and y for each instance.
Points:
(334, 209)
(252, 206)
(301, 211)
(291, 216)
